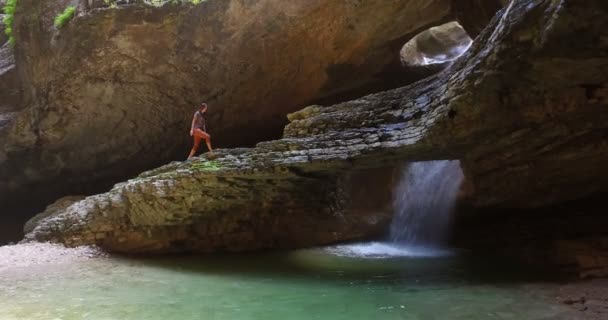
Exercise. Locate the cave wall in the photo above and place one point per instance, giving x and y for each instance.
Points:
(112, 92)
(511, 99)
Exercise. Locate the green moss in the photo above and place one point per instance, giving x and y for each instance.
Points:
(63, 18)
(196, 1)
(207, 166)
(9, 19)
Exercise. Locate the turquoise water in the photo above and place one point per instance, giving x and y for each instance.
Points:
(305, 284)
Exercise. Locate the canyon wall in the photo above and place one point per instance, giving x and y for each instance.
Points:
(112, 92)
(530, 94)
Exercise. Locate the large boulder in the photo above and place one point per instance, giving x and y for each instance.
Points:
(112, 92)
(224, 205)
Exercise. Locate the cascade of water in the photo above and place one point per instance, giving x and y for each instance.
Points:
(423, 201)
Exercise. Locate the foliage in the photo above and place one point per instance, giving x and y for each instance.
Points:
(63, 18)
(207, 166)
(196, 1)
(9, 18)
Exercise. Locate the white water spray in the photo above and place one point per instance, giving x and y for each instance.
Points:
(423, 202)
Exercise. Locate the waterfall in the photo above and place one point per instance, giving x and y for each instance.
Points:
(423, 202)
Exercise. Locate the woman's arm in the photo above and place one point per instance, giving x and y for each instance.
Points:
(192, 125)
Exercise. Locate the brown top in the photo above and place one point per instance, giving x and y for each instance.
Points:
(199, 121)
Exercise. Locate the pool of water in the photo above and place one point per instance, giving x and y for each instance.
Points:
(331, 283)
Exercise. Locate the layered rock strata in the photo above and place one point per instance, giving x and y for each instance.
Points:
(229, 204)
(525, 110)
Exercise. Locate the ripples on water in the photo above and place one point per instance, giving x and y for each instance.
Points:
(332, 283)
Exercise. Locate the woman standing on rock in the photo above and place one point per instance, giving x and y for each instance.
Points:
(198, 130)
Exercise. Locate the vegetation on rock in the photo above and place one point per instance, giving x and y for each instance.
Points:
(63, 18)
(207, 166)
(9, 11)
(160, 3)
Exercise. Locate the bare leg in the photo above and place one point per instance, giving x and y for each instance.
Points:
(197, 142)
(204, 135)
(208, 141)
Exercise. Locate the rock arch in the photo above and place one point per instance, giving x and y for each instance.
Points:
(524, 110)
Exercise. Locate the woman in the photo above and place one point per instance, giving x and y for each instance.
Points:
(198, 130)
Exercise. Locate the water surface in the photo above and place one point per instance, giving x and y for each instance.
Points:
(304, 284)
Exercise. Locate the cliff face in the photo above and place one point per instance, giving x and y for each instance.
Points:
(10, 93)
(112, 92)
(529, 95)
(3, 36)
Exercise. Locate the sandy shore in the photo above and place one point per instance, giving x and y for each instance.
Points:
(31, 254)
